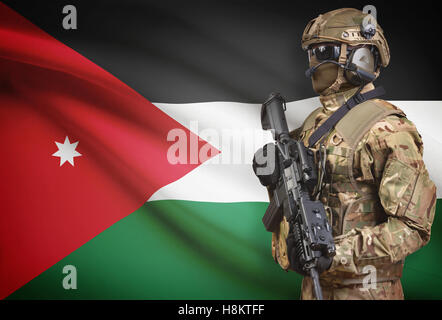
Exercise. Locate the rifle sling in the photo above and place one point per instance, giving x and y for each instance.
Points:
(356, 99)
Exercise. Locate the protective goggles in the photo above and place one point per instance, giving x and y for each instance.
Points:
(325, 52)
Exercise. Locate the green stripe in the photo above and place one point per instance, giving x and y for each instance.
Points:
(197, 250)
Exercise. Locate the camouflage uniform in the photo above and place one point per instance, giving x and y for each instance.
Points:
(380, 212)
(376, 191)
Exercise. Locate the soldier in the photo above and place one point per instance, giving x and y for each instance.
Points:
(375, 187)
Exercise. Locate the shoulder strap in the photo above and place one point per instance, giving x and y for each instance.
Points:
(362, 118)
(356, 99)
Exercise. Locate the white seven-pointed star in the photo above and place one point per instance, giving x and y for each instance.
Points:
(66, 151)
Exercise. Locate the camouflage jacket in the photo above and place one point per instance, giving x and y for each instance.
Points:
(384, 211)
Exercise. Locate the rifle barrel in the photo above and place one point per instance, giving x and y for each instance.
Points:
(316, 285)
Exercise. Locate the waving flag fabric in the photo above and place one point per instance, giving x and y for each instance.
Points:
(86, 182)
(51, 95)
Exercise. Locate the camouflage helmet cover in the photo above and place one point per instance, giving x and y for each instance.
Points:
(345, 25)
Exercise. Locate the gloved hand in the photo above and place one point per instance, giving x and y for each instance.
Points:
(323, 264)
(297, 263)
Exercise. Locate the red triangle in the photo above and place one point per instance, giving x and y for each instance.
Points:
(47, 92)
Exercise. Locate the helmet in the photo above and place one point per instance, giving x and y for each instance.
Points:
(358, 47)
(346, 26)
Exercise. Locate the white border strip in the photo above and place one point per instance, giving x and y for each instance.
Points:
(236, 182)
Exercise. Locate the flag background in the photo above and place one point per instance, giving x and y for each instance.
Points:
(203, 51)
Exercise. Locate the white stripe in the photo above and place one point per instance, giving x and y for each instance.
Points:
(215, 181)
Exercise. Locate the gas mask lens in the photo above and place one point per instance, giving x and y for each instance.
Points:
(324, 52)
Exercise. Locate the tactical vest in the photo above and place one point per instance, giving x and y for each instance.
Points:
(341, 144)
(349, 203)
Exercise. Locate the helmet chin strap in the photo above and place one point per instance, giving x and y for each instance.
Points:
(340, 79)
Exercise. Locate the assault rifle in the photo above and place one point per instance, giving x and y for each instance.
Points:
(288, 169)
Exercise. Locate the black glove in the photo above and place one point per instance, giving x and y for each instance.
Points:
(323, 264)
(297, 263)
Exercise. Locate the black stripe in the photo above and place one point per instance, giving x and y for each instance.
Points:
(191, 51)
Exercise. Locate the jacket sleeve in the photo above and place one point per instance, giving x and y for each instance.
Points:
(406, 193)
